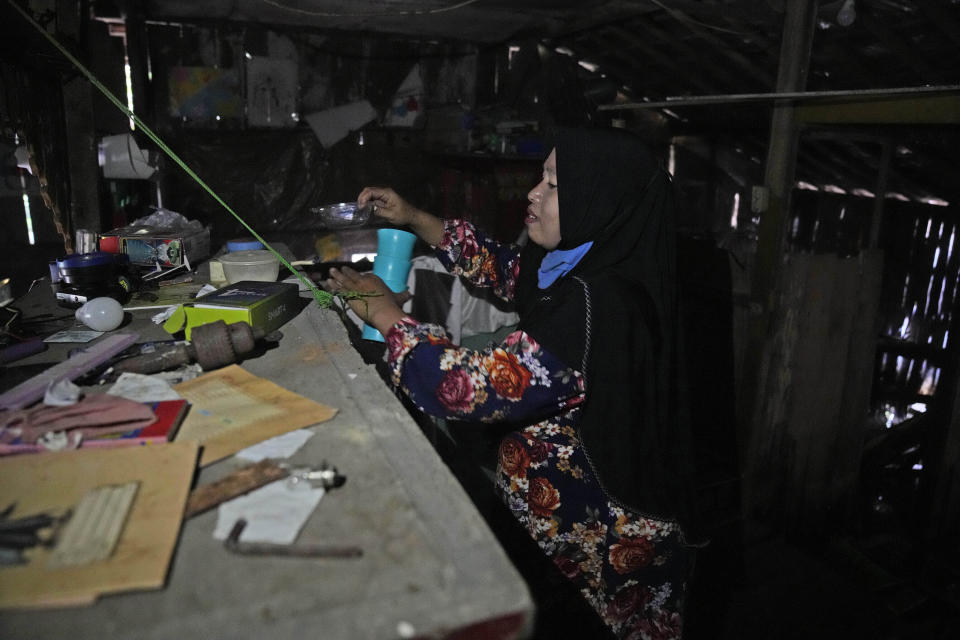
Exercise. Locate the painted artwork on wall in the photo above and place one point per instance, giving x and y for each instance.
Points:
(272, 90)
(204, 95)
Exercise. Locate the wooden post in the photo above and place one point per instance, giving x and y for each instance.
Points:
(880, 198)
(81, 142)
(940, 488)
(757, 400)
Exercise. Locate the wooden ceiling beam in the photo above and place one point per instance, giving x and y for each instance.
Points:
(897, 45)
(651, 31)
(755, 13)
(721, 47)
(941, 19)
(839, 168)
(657, 55)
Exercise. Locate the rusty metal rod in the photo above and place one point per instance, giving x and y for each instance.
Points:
(270, 549)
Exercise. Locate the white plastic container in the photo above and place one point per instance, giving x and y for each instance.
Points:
(258, 265)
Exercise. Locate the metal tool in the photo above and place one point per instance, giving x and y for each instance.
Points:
(254, 476)
(324, 476)
(234, 544)
(19, 534)
(211, 345)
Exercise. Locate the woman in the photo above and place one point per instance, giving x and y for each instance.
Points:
(596, 470)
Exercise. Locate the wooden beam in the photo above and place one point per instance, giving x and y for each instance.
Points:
(901, 49)
(669, 44)
(81, 143)
(606, 51)
(761, 394)
(721, 47)
(916, 109)
(940, 485)
(940, 18)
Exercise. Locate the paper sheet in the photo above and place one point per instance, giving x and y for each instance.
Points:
(282, 446)
(274, 513)
(142, 388)
(233, 409)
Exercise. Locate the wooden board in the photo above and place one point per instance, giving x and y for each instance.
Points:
(233, 409)
(55, 482)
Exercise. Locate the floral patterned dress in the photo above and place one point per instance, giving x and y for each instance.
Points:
(631, 569)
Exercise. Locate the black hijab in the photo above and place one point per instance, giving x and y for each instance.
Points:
(612, 191)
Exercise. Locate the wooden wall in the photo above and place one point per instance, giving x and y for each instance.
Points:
(804, 451)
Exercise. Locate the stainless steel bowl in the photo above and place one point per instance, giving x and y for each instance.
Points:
(342, 214)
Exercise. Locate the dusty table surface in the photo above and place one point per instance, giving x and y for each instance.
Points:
(430, 564)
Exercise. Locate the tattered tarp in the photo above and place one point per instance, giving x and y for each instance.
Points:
(270, 178)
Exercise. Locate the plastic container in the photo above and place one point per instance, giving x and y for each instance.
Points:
(257, 265)
(341, 214)
(243, 244)
(392, 265)
(396, 243)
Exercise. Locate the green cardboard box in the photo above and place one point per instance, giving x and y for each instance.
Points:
(264, 305)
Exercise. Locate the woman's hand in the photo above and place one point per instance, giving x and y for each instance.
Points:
(381, 310)
(388, 205)
(391, 207)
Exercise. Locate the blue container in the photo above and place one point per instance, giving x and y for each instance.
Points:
(243, 244)
(393, 271)
(396, 243)
(392, 265)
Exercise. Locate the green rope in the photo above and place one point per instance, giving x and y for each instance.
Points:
(323, 298)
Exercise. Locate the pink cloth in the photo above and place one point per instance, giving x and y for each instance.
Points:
(97, 415)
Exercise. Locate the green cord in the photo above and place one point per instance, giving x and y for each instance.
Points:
(323, 298)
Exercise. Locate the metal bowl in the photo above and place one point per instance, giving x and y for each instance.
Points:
(342, 214)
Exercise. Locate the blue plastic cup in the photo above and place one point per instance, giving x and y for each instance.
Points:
(393, 271)
(369, 333)
(396, 243)
(392, 265)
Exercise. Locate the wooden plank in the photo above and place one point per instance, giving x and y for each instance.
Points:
(823, 318)
(806, 462)
(233, 409)
(55, 482)
(857, 384)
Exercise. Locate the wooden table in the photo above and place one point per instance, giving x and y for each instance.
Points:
(431, 567)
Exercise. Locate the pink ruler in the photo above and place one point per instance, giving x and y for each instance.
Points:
(96, 354)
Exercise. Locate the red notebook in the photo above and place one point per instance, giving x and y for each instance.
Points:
(170, 413)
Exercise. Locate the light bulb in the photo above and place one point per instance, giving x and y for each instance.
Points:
(847, 14)
(101, 314)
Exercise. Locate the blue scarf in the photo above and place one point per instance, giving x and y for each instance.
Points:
(556, 263)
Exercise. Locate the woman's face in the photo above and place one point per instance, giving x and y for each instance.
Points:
(543, 213)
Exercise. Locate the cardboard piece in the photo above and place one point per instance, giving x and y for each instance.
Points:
(263, 305)
(165, 247)
(56, 482)
(234, 409)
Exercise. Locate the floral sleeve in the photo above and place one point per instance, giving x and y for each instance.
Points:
(515, 381)
(466, 251)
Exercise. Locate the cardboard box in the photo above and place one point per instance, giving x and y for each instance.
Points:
(169, 248)
(264, 305)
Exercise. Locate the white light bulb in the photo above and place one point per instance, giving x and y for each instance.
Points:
(847, 14)
(101, 314)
